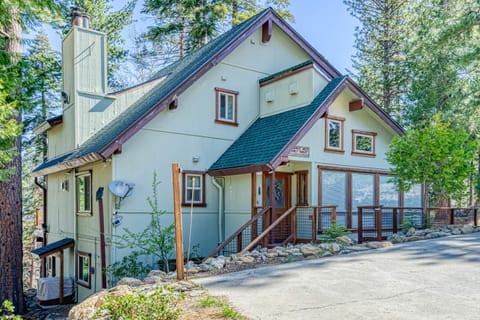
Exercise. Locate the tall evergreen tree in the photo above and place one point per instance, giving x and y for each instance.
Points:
(380, 55)
(241, 10)
(14, 16)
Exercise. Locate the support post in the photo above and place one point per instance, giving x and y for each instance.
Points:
(395, 222)
(475, 213)
(314, 224)
(360, 225)
(60, 291)
(452, 216)
(378, 222)
(177, 212)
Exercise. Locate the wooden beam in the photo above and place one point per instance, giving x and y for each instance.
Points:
(177, 211)
(267, 29)
(355, 105)
(60, 290)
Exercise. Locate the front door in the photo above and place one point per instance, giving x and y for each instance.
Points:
(282, 202)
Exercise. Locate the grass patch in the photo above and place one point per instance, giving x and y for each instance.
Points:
(225, 309)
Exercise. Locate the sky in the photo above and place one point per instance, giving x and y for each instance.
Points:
(325, 24)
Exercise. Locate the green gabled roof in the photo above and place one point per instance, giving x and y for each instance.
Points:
(176, 74)
(286, 71)
(264, 140)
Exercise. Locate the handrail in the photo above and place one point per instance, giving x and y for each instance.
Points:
(236, 233)
(270, 228)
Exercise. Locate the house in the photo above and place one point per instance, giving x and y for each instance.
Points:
(255, 105)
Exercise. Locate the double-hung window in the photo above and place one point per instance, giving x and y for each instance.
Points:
(226, 106)
(84, 263)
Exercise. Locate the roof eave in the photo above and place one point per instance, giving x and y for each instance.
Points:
(240, 170)
(70, 164)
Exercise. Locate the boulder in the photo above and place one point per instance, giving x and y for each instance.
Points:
(344, 241)
(311, 250)
(359, 247)
(132, 282)
(416, 238)
(410, 232)
(396, 238)
(245, 259)
(467, 229)
(456, 231)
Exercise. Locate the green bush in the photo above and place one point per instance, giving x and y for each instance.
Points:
(406, 225)
(130, 266)
(160, 304)
(332, 232)
(6, 311)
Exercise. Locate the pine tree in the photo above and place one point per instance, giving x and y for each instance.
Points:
(380, 55)
(15, 15)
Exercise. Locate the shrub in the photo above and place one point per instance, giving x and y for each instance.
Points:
(160, 304)
(6, 311)
(130, 266)
(332, 232)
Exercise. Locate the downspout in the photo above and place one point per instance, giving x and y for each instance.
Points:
(221, 211)
(44, 224)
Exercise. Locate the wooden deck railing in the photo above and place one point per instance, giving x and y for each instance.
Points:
(251, 226)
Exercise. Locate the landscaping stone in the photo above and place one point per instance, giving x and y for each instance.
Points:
(467, 229)
(379, 244)
(311, 250)
(456, 231)
(344, 241)
(410, 232)
(416, 238)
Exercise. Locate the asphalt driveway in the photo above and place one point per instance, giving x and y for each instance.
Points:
(432, 279)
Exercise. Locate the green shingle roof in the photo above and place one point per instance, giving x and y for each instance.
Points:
(291, 69)
(267, 136)
(176, 74)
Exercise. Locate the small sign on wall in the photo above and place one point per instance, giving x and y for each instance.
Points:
(300, 151)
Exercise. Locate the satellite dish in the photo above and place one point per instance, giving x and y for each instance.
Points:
(121, 190)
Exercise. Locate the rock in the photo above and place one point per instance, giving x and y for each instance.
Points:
(191, 264)
(416, 238)
(344, 241)
(327, 254)
(396, 238)
(410, 232)
(432, 235)
(132, 282)
(216, 263)
(157, 273)
(154, 279)
(246, 259)
(378, 244)
(196, 293)
(467, 229)
(272, 254)
(456, 231)
(86, 309)
(311, 250)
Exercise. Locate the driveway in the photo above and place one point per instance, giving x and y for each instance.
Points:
(432, 279)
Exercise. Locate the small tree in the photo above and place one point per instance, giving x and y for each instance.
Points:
(434, 155)
(155, 239)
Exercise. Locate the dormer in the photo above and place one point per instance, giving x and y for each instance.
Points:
(290, 88)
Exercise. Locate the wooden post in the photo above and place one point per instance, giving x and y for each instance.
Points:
(334, 216)
(395, 222)
(360, 225)
(61, 278)
(378, 222)
(314, 224)
(177, 213)
(475, 211)
(239, 242)
(452, 216)
(272, 205)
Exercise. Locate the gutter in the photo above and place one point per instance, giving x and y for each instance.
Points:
(221, 211)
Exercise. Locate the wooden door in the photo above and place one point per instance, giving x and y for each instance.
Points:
(282, 198)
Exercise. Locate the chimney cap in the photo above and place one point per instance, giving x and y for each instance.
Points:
(77, 15)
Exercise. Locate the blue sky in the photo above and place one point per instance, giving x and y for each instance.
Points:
(325, 24)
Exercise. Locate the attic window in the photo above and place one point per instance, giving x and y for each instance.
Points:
(226, 107)
(363, 143)
(334, 134)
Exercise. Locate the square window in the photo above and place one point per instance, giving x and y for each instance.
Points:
(363, 143)
(226, 106)
(193, 188)
(334, 134)
(84, 193)
(84, 261)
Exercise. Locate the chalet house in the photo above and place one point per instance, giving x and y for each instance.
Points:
(255, 105)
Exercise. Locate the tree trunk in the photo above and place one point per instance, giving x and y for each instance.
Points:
(11, 253)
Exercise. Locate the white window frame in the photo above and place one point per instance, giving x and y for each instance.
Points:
(366, 134)
(219, 92)
(187, 186)
(81, 256)
(84, 210)
(340, 121)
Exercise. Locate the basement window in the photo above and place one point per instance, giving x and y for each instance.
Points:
(84, 263)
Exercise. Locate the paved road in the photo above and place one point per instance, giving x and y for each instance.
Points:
(433, 279)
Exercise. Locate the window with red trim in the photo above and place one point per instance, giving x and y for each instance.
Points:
(226, 106)
(193, 188)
